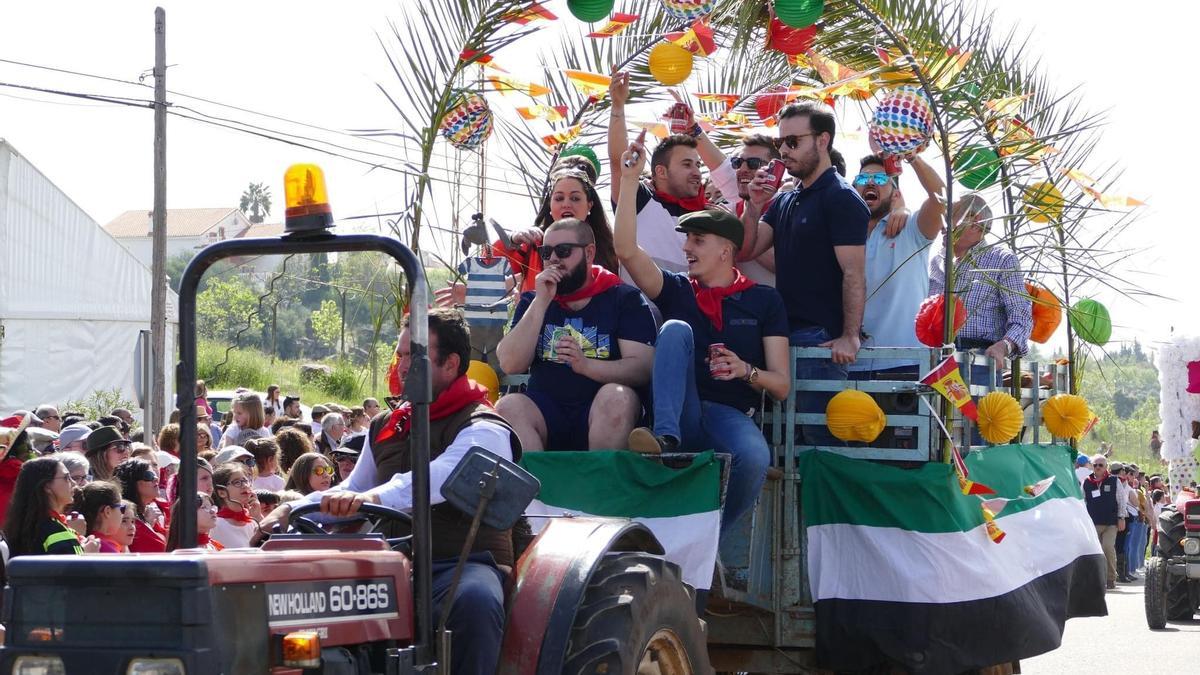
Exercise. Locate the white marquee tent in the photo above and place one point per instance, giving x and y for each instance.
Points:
(72, 300)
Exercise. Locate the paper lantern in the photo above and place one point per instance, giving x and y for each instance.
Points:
(590, 10)
(584, 151)
(770, 102)
(903, 122)
(485, 375)
(670, 64)
(1043, 202)
(1091, 322)
(931, 320)
(799, 13)
(468, 123)
(1193, 386)
(687, 10)
(1066, 415)
(977, 167)
(1047, 312)
(852, 415)
(790, 41)
(1000, 417)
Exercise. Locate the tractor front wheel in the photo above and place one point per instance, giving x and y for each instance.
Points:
(637, 617)
(1156, 593)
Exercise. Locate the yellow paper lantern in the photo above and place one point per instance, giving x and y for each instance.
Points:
(670, 64)
(1066, 415)
(485, 375)
(853, 415)
(1043, 202)
(1000, 417)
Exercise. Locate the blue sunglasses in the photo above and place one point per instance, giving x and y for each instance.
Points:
(864, 179)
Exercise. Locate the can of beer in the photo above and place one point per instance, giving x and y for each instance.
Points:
(714, 351)
(677, 118)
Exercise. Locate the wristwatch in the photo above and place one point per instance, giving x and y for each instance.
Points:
(751, 375)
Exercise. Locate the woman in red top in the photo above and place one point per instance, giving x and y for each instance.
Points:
(139, 484)
(101, 506)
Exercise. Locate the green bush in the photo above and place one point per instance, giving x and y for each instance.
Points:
(344, 382)
(243, 368)
(99, 403)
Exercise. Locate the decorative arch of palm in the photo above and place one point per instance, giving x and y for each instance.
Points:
(990, 100)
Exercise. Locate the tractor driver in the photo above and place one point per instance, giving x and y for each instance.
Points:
(460, 417)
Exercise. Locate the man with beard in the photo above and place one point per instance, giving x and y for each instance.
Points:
(586, 340)
(897, 258)
(819, 232)
(675, 188)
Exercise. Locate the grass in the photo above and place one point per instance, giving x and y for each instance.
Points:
(348, 384)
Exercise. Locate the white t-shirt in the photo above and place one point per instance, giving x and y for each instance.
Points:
(725, 178)
(232, 534)
(273, 482)
(1081, 473)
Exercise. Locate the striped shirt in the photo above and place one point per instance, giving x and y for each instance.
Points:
(998, 306)
(487, 284)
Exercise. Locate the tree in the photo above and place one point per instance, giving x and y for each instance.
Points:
(256, 202)
(327, 323)
(226, 311)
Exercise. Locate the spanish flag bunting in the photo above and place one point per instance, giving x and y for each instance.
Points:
(526, 15)
(733, 119)
(617, 23)
(589, 84)
(993, 531)
(550, 113)
(697, 39)
(1091, 424)
(947, 67)
(1007, 106)
(1038, 488)
(657, 129)
(829, 70)
(996, 505)
(560, 137)
(798, 61)
(970, 487)
(1109, 201)
(729, 100)
(506, 85)
(884, 57)
(948, 381)
(485, 60)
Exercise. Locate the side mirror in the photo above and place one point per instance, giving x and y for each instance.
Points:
(485, 481)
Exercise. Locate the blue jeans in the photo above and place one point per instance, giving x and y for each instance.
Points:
(476, 619)
(703, 425)
(1135, 544)
(815, 369)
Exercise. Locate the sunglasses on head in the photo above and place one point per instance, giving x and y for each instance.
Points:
(562, 251)
(864, 179)
(792, 141)
(753, 162)
(323, 471)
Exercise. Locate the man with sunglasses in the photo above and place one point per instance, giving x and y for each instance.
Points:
(1100, 491)
(898, 246)
(819, 232)
(587, 341)
(732, 178)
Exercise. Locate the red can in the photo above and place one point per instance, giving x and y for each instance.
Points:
(714, 351)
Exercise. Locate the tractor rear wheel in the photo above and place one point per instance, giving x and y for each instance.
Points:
(637, 618)
(1156, 593)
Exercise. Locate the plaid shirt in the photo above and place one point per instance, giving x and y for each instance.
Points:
(998, 305)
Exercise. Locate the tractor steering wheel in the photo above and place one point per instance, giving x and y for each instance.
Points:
(374, 513)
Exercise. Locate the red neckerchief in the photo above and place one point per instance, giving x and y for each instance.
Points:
(205, 541)
(240, 517)
(602, 280)
(709, 300)
(697, 203)
(461, 393)
(1097, 481)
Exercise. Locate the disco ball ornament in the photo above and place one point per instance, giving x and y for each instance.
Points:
(903, 122)
(688, 10)
(468, 123)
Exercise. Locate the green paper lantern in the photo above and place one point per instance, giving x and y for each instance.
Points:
(590, 10)
(799, 13)
(977, 167)
(1091, 322)
(583, 151)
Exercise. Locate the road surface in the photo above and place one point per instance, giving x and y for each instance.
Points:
(1088, 644)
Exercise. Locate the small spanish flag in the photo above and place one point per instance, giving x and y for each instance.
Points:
(729, 100)
(485, 60)
(560, 137)
(506, 85)
(948, 381)
(697, 39)
(589, 84)
(550, 113)
(993, 531)
(617, 23)
(534, 12)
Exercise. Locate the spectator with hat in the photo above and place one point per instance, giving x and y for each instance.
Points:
(106, 448)
(237, 454)
(318, 412)
(705, 397)
(1083, 467)
(74, 438)
(14, 449)
(346, 456)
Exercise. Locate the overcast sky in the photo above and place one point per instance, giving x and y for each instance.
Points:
(319, 62)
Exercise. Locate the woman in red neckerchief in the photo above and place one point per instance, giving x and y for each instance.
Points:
(139, 484)
(36, 525)
(101, 506)
(233, 493)
(206, 520)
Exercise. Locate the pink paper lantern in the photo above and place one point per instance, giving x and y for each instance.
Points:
(1193, 377)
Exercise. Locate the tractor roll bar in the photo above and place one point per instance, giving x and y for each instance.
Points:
(417, 387)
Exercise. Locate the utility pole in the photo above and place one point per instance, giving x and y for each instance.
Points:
(158, 292)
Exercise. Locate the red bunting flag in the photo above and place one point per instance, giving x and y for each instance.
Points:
(485, 60)
(534, 12)
(617, 23)
(560, 137)
(550, 113)
(697, 39)
(729, 100)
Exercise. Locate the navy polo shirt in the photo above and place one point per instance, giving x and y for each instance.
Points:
(808, 224)
(620, 313)
(749, 316)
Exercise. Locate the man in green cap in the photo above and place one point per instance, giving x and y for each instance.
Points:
(723, 344)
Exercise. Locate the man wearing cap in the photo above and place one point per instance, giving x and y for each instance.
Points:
(1123, 493)
(318, 412)
(705, 397)
(74, 438)
(1083, 467)
(586, 340)
(346, 456)
(1100, 496)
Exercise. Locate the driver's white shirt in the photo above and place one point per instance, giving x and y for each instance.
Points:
(397, 492)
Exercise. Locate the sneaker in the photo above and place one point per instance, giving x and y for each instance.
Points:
(642, 439)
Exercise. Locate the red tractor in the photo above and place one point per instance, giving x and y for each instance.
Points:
(588, 596)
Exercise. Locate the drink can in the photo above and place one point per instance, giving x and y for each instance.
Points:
(714, 351)
(677, 118)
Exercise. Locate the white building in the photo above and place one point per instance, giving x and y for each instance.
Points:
(72, 300)
(188, 230)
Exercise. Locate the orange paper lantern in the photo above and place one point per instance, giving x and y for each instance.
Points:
(1047, 312)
